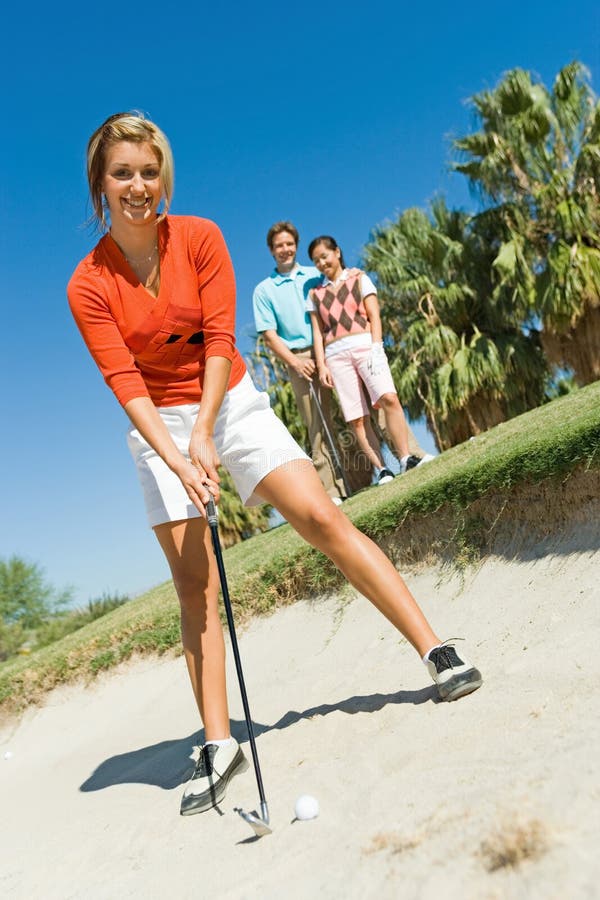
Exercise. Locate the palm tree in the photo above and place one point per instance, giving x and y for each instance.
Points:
(536, 159)
(460, 355)
(270, 375)
(237, 521)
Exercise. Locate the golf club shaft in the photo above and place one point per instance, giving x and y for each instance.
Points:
(211, 515)
(330, 440)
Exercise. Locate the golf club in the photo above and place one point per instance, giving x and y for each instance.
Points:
(330, 440)
(260, 823)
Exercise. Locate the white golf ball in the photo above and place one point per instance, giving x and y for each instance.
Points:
(8, 754)
(307, 807)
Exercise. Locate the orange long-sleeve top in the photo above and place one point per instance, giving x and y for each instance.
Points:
(156, 347)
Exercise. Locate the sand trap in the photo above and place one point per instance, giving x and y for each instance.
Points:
(494, 796)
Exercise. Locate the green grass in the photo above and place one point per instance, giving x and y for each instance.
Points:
(278, 567)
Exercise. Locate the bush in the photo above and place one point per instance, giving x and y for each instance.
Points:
(65, 623)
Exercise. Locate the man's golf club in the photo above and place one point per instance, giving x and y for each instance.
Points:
(330, 440)
(260, 823)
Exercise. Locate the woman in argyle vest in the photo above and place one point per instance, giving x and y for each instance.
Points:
(349, 352)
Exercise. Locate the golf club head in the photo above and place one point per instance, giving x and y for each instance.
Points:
(253, 819)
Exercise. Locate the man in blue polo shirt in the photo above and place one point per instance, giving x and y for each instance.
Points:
(280, 316)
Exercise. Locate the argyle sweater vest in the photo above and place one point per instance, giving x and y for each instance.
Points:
(341, 307)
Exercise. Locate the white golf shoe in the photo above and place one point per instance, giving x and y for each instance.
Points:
(454, 675)
(215, 767)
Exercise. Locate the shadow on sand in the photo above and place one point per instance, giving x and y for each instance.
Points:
(169, 763)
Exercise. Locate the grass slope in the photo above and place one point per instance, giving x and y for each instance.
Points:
(278, 567)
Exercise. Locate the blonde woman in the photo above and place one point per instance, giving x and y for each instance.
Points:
(155, 303)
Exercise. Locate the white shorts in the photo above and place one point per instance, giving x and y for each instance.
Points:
(250, 440)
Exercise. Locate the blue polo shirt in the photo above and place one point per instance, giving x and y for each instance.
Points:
(280, 305)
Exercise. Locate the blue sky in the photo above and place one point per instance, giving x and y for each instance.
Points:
(337, 116)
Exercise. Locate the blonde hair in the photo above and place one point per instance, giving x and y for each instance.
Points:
(133, 127)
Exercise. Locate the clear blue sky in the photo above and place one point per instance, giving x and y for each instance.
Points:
(337, 116)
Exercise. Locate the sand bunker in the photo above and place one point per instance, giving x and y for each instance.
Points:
(495, 795)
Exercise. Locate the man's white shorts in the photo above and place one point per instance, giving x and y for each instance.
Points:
(250, 440)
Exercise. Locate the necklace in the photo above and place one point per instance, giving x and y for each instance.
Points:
(138, 260)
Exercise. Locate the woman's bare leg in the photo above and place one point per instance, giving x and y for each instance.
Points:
(295, 490)
(395, 423)
(367, 441)
(188, 548)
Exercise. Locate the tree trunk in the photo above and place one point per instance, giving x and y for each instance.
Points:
(579, 348)
(481, 414)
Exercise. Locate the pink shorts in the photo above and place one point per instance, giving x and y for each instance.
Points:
(350, 371)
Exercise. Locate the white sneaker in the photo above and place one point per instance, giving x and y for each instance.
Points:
(215, 767)
(411, 462)
(454, 675)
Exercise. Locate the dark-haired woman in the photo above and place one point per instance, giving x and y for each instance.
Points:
(350, 356)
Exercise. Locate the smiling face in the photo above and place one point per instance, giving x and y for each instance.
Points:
(284, 250)
(132, 184)
(327, 261)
